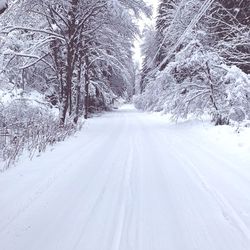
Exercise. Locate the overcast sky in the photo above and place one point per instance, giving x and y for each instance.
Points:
(142, 23)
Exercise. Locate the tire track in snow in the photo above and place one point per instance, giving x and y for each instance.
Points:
(126, 201)
(228, 212)
(94, 209)
(230, 166)
(101, 196)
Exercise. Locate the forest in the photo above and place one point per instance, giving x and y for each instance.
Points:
(62, 61)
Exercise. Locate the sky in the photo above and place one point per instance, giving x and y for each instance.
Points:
(142, 24)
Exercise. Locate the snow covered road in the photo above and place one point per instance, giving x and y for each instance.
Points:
(128, 181)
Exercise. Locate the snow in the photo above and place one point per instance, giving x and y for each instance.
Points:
(131, 180)
(34, 98)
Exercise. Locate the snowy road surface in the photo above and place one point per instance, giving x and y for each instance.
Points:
(128, 181)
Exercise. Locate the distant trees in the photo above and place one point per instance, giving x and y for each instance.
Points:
(200, 61)
(149, 49)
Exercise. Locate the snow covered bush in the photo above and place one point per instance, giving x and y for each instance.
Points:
(28, 124)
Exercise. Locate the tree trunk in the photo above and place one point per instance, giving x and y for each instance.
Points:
(86, 87)
(78, 95)
(70, 63)
(64, 105)
(86, 98)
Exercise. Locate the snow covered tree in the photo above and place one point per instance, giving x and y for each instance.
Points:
(167, 13)
(202, 49)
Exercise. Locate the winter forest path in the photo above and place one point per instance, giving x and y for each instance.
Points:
(128, 181)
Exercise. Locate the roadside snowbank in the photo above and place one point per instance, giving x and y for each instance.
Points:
(233, 140)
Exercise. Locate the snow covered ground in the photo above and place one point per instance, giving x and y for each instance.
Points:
(132, 181)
